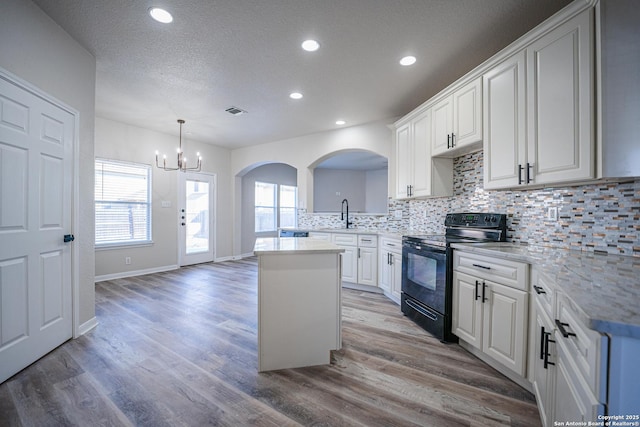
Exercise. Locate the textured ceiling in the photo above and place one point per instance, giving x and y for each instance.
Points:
(246, 53)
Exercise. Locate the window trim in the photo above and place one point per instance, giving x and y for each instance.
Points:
(149, 205)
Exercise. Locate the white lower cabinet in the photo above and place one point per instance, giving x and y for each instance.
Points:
(359, 259)
(491, 317)
(569, 360)
(390, 267)
(490, 307)
(544, 363)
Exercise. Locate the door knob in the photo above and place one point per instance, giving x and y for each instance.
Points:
(69, 238)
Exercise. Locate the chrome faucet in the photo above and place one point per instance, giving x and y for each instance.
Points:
(347, 223)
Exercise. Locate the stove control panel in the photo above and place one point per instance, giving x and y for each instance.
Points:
(476, 220)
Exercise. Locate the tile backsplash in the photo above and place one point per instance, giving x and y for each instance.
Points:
(600, 217)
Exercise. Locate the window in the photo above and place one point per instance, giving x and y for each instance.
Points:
(287, 206)
(275, 206)
(123, 203)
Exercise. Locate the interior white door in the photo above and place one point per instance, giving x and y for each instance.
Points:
(196, 219)
(36, 149)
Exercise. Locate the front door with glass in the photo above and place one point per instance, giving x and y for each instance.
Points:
(196, 218)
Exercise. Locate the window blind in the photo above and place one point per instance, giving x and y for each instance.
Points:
(123, 203)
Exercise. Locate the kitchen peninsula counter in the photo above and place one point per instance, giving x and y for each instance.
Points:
(299, 302)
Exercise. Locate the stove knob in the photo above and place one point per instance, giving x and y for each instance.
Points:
(494, 219)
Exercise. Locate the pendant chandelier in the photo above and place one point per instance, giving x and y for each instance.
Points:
(182, 161)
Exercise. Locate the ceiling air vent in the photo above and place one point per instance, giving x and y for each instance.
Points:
(235, 111)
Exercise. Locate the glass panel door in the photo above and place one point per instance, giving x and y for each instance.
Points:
(196, 218)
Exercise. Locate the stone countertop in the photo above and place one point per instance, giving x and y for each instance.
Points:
(293, 245)
(370, 231)
(604, 288)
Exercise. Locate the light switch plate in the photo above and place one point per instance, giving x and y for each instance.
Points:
(166, 203)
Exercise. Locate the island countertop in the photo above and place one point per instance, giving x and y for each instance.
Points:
(293, 245)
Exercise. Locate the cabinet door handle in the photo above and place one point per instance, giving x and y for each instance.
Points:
(546, 350)
(358, 252)
(477, 295)
(539, 290)
(453, 144)
(484, 287)
(542, 341)
(528, 176)
(481, 266)
(391, 259)
(562, 330)
(448, 141)
(388, 258)
(519, 174)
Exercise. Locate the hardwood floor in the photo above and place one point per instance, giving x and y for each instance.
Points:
(180, 349)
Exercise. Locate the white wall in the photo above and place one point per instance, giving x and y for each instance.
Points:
(351, 185)
(305, 152)
(38, 51)
(377, 191)
(120, 141)
(275, 173)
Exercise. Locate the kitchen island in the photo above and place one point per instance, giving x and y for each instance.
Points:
(299, 308)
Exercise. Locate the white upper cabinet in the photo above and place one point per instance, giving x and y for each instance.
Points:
(417, 173)
(554, 74)
(457, 121)
(403, 160)
(504, 123)
(560, 110)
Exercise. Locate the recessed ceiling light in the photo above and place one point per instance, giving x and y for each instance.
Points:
(310, 45)
(295, 95)
(408, 60)
(160, 15)
(340, 122)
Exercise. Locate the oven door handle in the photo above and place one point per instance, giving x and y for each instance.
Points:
(421, 310)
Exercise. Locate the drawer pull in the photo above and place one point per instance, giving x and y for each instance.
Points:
(481, 266)
(546, 350)
(484, 286)
(539, 290)
(563, 331)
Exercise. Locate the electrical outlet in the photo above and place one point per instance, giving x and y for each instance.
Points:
(552, 213)
(127, 260)
(397, 214)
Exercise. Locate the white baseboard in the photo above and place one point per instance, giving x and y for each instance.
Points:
(133, 273)
(86, 327)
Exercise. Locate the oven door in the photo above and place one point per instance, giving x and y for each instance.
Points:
(424, 274)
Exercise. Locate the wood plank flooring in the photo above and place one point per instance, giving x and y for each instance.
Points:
(180, 349)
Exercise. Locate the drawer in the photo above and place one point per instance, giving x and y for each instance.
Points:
(391, 245)
(543, 292)
(320, 235)
(585, 347)
(503, 271)
(345, 239)
(367, 241)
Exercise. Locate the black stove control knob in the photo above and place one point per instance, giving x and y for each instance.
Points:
(494, 219)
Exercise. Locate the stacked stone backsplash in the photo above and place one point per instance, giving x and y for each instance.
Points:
(602, 217)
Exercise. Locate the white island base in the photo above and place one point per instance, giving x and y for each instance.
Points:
(299, 309)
